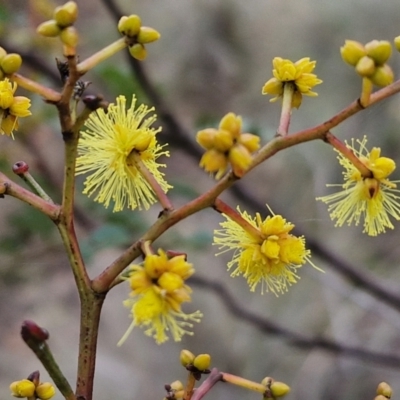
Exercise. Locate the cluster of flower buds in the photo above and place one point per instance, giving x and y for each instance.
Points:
(175, 391)
(197, 365)
(32, 388)
(137, 35)
(383, 391)
(62, 24)
(370, 60)
(274, 389)
(9, 63)
(227, 145)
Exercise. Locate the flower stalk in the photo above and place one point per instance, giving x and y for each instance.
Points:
(287, 98)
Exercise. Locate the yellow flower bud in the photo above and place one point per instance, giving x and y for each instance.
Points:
(379, 51)
(154, 266)
(250, 141)
(177, 385)
(138, 51)
(384, 389)
(6, 96)
(383, 76)
(49, 28)
(279, 389)
(213, 161)
(240, 157)
(139, 280)
(147, 35)
(186, 357)
(232, 123)
(223, 140)
(267, 381)
(352, 52)
(383, 167)
(365, 66)
(11, 63)
(69, 36)
(397, 42)
(20, 106)
(202, 362)
(3, 53)
(23, 388)
(45, 391)
(170, 281)
(206, 137)
(66, 14)
(129, 26)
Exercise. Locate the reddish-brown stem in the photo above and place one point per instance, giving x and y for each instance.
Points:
(214, 377)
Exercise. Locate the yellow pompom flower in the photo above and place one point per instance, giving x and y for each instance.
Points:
(158, 290)
(287, 72)
(371, 199)
(269, 254)
(11, 107)
(109, 150)
(226, 146)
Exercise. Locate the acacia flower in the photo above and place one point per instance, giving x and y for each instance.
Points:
(226, 146)
(298, 74)
(372, 199)
(11, 107)
(268, 254)
(109, 149)
(158, 290)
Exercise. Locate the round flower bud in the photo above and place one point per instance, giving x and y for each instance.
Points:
(45, 391)
(231, 123)
(397, 42)
(384, 389)
(3, 53)
(177, 385)
(49, 28)
(240, 157)
(139, 280)
(23, 388)
(202, 362)
(382, 76)
(66, 14)
(267, 381)
(147, 35)
(379, 51)
(186, 357)
(206, 137)
(143, 143)
(11, 63)
(170, 281)
(352, 51)
(129, 26)
(138, 51)
(69, 36)
(279, 389)
(250, 141)
(223, 140)
(365, 66)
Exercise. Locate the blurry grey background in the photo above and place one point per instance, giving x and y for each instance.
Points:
(214, 57)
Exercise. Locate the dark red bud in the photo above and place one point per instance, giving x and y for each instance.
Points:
(174, 253)
(34, 377)
(31, 331)
(20, 167)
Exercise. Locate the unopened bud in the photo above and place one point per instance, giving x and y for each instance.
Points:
(66, 14)
(138, 51)
(365, 66)
(202, 362)
(231, 123)
(45, 391)
(170, 281)
(11, 63)
(379, 51)
(69, 36)
(147, 35)
(384, 389)
(3, 53)
(383, 76)
(206, 137)
(250, 141)
(129, 25)
(22, 388)
(352, 52)
(267, 381)
(240, 157)
(223, 140)
(279, 389)
(177, 385)
(49, 28)
(186, 357)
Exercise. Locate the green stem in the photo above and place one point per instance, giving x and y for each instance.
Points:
(288, 92)
(34, 87)
(191, 381)
(245, 383)
(366, 91)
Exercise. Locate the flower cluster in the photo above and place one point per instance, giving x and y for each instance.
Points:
(62, 24)
(137, 35)
(267, 253)
(298, 74)
(370, 60)
(227, 145)
(11, 107)
(115, 148)
(372, 198)
(158, 290)
(32, 389)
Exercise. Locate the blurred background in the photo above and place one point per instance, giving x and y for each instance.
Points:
(214, 57)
